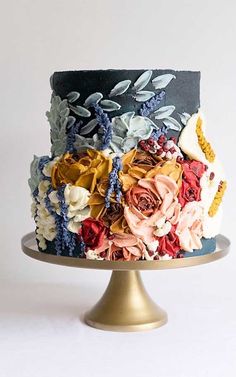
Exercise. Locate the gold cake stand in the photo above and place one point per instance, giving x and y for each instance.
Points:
(125, 305)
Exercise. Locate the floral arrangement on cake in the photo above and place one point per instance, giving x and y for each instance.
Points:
(123, 187)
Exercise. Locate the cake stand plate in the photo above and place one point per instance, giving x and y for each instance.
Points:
(125, 305)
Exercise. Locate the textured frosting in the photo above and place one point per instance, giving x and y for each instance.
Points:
(131, 173)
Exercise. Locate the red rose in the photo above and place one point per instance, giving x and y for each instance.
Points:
(169, 244)
(93, 232)
(190, 189)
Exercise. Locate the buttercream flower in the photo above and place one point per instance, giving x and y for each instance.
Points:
(150, 203)
(45, 222)
(169, 244)
(76, 198)
(113, 216)
(172, 169)
(83, 170)
(93, 232)
(190, 189)
(47, 170)
(128, 130)
(136, 164)
(189, 228)
(125, 247)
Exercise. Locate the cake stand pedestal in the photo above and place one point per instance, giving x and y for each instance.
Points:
(125, 305)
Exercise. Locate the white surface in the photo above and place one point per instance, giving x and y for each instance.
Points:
(40, 333)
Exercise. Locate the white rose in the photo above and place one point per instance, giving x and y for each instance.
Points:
(76, 198)
(75, 222)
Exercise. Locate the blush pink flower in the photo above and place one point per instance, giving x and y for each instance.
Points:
(151, 203)
(124, 247)
(189, 228)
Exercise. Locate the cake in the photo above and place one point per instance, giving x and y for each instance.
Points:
(131, 174)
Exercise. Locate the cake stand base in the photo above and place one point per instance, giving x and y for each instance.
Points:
(126, 306)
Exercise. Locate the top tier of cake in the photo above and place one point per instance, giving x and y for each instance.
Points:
(162, 96)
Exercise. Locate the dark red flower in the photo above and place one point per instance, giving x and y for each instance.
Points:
(190, 189)
(169, 244)
(93, 232)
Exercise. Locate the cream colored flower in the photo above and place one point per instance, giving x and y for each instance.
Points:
(42, 188)
(47, 170)
(76, 198)
(163, 227)
(91, 254)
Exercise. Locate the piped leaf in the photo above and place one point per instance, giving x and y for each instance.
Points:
(162, 81)
(184, 117)
(120, 88)
(164, 112)
(93, 99)
(70, 121)
(81, 111)
(109, 105)
(172, 123)
(89, 127)
(143, 96)
(73, 96)
(143, 80)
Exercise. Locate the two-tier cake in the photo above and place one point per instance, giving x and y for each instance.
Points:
(131, 174)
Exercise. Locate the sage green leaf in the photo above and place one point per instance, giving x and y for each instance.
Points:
(109, 105)
(172, 123)
(184, 117)
(88, 127)
(143, 80)
(143, 96)
(161, 82)
(81, 111)
(73, 96)
(93, 99)
(70, 121)
(120, 88)
(164, 112)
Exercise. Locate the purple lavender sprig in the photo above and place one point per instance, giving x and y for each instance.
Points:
(105, 124)
(114, 183)
(71, 136)
(160, 131)
(42, 162)
(149, 106)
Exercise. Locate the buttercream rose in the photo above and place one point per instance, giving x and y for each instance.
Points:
(113, 216)
(150, 204)
(190, 189)
(136, 164)
(169, 244)
(83, 170)
(125, 247)
(93, 232)
(190, 227)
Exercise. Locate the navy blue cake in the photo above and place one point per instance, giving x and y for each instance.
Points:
(131, 175)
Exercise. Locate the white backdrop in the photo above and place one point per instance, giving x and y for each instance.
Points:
(40, 303)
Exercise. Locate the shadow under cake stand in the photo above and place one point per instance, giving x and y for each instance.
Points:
(125, 305)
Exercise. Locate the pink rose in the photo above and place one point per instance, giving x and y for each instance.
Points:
(151, 203)
(124, 247)
(189, 228)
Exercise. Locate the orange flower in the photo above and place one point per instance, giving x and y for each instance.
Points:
(136, 164)
(83, 170)
(140, 164)
(170, 168)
